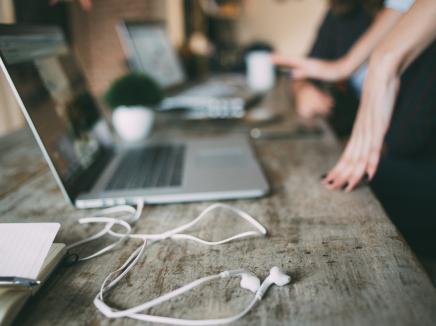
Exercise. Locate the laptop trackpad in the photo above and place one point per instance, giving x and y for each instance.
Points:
(221, 158)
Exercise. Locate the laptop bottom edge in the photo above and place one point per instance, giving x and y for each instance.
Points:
(170, 198)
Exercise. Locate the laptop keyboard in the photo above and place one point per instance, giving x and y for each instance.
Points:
(153, 166)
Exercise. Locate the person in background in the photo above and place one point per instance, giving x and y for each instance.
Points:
(393, 141)
(345, 22)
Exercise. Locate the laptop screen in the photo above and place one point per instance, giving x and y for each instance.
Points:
(150, 51)
(56, 99)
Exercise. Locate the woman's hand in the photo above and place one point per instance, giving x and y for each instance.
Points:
(362, 153)
(85, 4)
(344, 67)
(408, 38)
(311, 101)
(314, 68)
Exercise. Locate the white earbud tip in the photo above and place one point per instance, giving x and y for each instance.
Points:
(279, 277)
(250, 282)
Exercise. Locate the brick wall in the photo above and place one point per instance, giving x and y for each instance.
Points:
(95, 39)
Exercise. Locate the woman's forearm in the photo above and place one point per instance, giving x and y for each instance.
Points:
(408, 39)
(415, 30)
(361, 51)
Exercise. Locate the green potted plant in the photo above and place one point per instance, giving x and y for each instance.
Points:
(132, 98)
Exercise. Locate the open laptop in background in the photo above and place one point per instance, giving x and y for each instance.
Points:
(149, 51)
(90, 168)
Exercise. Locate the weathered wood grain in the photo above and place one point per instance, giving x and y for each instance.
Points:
(349, 264)
(20, 160)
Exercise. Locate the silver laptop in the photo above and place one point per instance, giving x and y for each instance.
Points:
(91, 169)
(148, 50)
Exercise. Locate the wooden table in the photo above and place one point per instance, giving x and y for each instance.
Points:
(349, 264)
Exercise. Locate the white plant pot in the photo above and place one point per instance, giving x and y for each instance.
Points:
(133, 123)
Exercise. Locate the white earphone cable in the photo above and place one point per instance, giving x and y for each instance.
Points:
(125, 216)
(134, 312)
(191, 322)
(109, 223)
(133, 215)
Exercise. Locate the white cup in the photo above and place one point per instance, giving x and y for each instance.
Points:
(260, 71)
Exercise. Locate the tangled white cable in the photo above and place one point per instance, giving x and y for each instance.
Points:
(132, 215)
(248, 280)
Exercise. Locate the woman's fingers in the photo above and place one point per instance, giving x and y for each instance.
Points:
(301, 67)
(345, 176)
(341, 179)
(333, 174)
(373, 162)
(86, 4)
(344, 172)
(355, 177)
(298, 73)
(361, 156)
(323, 103)
(349, 172)
(311, 102)
(291, 62)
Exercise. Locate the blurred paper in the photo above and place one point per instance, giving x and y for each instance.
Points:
(24, 246)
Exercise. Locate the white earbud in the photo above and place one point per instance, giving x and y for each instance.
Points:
(250, 282)
(277, 277)
(124, 215)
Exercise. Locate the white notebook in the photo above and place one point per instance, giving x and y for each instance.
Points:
(24, 246)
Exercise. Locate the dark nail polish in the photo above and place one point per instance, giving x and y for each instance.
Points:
(323, 176)
(344, 186)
